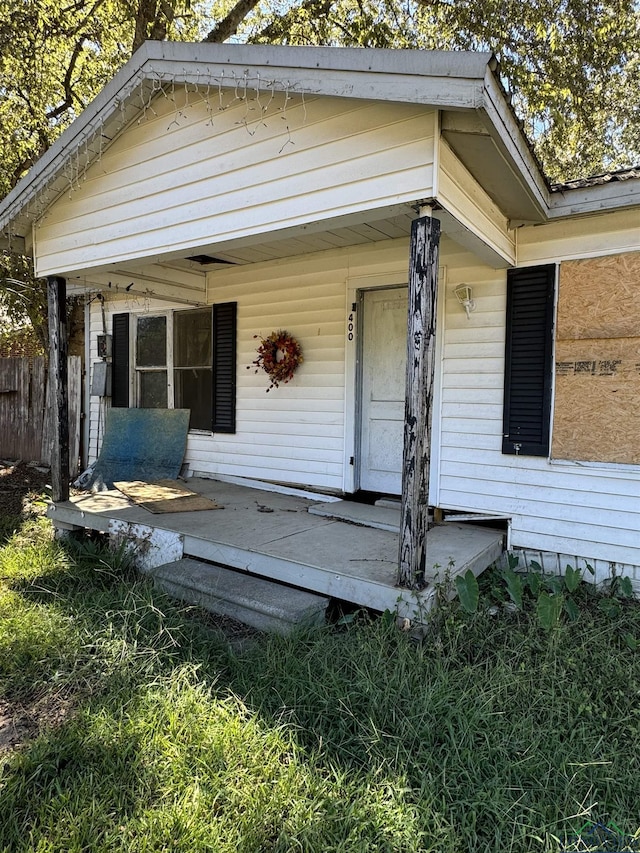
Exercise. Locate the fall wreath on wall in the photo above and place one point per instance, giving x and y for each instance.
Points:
(279, 355)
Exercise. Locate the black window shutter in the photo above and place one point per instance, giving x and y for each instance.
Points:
(120, 361)
(528, 360)
(224, 367)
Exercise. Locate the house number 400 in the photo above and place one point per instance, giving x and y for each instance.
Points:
(350, 328)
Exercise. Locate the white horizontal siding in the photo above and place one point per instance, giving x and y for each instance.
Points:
(589, 512)
(189, 176)
(295, 433)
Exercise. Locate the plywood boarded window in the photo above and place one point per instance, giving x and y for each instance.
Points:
(597, 398)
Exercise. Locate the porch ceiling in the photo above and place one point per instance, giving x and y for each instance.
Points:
(372, 227)
(314, 237)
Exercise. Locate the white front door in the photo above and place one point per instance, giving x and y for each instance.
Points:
(384, 356)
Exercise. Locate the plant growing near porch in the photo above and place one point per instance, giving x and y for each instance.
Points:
(279, 355)
(350, 739)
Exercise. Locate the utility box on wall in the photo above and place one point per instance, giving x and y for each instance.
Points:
(104, 346)
(101, 379)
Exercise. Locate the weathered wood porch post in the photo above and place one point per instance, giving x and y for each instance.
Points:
(421, 331)
(58, 383)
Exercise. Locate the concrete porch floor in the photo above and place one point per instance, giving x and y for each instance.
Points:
(280, 537)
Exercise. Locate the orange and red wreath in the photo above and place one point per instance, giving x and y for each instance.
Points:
(279, 355)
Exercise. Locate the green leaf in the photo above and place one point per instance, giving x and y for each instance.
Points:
(534, 581)
(549, 609)
(468, 592)
(514, 586)
(625, 587)
(535, 565)
(609, 606)
(554, 583)
(513, 560)
(572, 609)
(632, 642)
(572, 578)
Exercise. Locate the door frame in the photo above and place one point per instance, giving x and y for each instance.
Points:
(356, 285)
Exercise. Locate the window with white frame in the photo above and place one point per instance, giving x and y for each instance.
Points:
(178, 359)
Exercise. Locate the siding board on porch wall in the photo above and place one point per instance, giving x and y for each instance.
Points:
(421, 328)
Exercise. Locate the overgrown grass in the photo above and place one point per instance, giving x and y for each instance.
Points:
(490, 735)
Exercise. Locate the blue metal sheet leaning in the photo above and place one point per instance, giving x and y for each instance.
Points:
(139, 444)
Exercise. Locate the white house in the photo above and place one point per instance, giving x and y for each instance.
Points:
(274, 188)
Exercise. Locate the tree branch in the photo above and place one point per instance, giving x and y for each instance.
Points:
(164, 17)
(66, 83)
(228, 26)
(147, 12)
(282, 24)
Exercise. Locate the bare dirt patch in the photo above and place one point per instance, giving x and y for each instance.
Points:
(22, 485)
(21, 723)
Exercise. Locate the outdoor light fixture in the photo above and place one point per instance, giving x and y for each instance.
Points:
(464, 295)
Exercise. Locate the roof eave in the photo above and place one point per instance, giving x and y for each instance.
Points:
(609, 197)
(510, 140)
(463, 81)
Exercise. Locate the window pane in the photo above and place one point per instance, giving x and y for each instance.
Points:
(153, 389)
(192, 338)
(151, 342)
(193, 390)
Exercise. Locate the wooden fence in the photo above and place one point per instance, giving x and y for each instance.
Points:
(26, 427)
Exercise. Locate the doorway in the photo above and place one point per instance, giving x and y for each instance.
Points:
(382, 388)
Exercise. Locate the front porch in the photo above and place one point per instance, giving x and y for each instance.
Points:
(280, 537)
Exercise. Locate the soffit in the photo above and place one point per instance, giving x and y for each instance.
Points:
(469, 137)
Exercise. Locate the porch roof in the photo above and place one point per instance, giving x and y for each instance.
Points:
(477, 120)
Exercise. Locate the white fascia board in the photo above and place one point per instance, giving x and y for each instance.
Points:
(317, 60)
(615, 195)
(437, 78)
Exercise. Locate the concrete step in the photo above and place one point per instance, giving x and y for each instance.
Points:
(263, 604)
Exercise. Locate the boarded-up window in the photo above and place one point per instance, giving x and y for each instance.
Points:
(597, 397)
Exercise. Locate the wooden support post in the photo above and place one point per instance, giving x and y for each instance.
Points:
(58, 383)
(421, 330)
